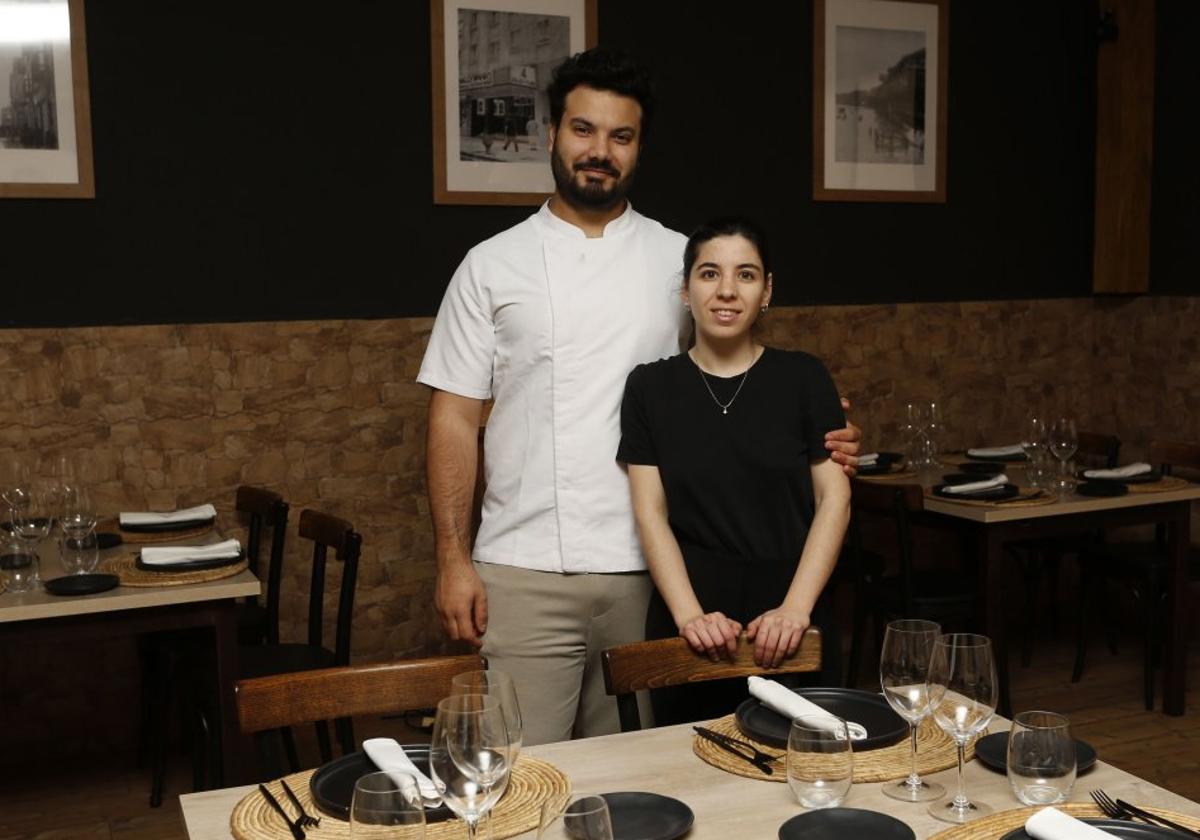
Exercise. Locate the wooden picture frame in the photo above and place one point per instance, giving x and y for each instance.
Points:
(45, 112)
(492, 61)
(879, 100)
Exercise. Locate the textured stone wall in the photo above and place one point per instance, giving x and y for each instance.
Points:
(327, 413)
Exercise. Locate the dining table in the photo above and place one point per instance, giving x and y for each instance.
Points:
(725, 805)
(39, 616)
(992, 526)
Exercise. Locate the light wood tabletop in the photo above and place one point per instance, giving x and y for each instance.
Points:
(725, 805)
(1070, 504)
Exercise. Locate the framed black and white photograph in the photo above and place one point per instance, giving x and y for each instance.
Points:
(492, 61)
(45, 118)
(879, 100)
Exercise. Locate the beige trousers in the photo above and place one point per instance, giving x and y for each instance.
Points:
(547, 630)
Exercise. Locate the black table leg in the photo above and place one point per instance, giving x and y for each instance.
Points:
(1175, 664)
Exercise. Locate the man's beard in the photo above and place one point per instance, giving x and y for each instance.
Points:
(590, 195)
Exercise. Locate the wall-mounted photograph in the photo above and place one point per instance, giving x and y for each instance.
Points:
(45, 122)
(879, 100)
(492, 61)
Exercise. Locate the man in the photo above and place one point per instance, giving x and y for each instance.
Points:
(548, 318)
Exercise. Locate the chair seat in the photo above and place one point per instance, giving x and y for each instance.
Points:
(269, 660)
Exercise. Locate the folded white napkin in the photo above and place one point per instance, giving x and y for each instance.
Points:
(791, 705)
(171, 554)
(868, 460)
(1129, 471)
(976, 486)
(1053, 824)
(997, 451)
(389, 756)
(186, 515)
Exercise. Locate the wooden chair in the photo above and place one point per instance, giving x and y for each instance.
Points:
(668, 662)
(910, 592)
(283, 700)
(266, 510)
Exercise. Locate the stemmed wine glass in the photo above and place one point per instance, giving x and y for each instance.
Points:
(31, 522)
(935, 427)
(903, 670)
(469, 755)
(1063, 441)
(1033, 443)
(962, 693)
(913, 429)
(499, 685)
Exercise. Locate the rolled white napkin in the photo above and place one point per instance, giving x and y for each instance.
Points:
(1128, 471)
(169, 555)
(976, 486)
(186, 515)
(390, 757)
(1053, 824)
(791, 705)
(997, 451)
(868, 460)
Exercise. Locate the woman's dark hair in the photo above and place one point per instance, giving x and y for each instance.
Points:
(726, 226)
(603, 69)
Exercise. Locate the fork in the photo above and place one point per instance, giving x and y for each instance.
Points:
(293, 826)
(759, 755)
(1119, 810)
(304, 819)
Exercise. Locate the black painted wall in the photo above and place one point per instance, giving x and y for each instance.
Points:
(271, 161)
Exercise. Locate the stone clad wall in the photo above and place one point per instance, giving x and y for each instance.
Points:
(327, 413)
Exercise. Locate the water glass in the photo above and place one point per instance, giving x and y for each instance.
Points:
(18, 569)
(579, 816)
(820, 760)
(79, 555)
(499, 685)
(387, 805)
(1041, 758)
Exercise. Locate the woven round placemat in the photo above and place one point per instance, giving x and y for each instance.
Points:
(1043, 498)
(1167, 482)
(125, 567)
(997, 825)
(935, 751)
(519, 810)
(112, 526)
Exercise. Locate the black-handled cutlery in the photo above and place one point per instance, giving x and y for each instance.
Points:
(743, 750)
(297, 831)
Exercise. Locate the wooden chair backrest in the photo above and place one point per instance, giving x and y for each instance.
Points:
(1171, 455)
(666, 662)
(1099, 450)
(308, 696)
(330, 532)
(265, 509)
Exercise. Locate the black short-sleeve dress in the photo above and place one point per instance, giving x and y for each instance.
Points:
(738, 487)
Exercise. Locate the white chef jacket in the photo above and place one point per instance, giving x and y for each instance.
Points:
(549, 323)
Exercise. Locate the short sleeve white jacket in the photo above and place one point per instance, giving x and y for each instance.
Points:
(548, 323)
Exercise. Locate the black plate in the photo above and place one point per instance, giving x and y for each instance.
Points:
(332, 786)
(960, 478)
(1117, 828)
(998, 459)
(1004, 491)
(992, 751)
(981, 468)
(157, 527)
(843, 823)
(884, 727)
(1144, 478)
(189, 565)
(104, 540)
(878, 468)
(647, 816)
(1101, 488)
(82, 584)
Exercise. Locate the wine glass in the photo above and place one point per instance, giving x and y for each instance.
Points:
(31, 522)
(579, 816)
(499, 685)
(1033, 443)
(387, 804)
(15, 481)
(903, 669)
(469, 755)
(77, 514)
(962, 693)
(913, 429)
(1063, 440)
(935, 427)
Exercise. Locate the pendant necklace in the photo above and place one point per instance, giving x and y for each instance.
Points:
(724, 406)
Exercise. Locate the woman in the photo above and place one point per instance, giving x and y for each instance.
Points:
(739, 510)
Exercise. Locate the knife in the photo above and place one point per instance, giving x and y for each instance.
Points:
(297, 831)
(1155, 818)
(758, 759)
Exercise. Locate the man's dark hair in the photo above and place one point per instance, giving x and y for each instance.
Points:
(603, 69)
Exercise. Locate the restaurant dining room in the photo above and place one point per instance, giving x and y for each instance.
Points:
(599, 419)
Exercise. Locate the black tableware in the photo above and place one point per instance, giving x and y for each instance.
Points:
(82, 584)
(981, 468)
(1127, 810)
(953, 479)
(999, 459)
(105, 539)
(1118, 828)
(844, 823)
(1101, 489)
(1004, 491)
(747, 752)
(647, 816)
(188, 565)
(332, 785)
(297, 831)
(878, 468)
(992, 751)
(158, 527)
(884, 727)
